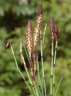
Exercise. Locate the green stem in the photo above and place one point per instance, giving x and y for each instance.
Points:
(51, 77)
(54, 67)
(19, 69)
(28, 75)
(43, 78)
(59, 84)
(36, 90)
(39, 79)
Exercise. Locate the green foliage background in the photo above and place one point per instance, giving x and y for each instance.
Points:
(14, 15)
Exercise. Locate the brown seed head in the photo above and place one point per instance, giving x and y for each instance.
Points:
(56, 33)
(37, 29)
(40, 9)
(51, 25)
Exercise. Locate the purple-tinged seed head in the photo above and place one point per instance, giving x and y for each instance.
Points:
(51, 25)
(40, 9)
(56, 32)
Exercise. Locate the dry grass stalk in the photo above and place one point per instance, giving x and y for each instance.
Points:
(36, 34)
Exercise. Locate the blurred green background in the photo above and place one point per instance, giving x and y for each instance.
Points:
(14, 15)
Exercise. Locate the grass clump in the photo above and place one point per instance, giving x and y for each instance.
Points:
(37, 81)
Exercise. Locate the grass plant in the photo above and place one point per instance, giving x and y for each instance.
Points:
(37, 81)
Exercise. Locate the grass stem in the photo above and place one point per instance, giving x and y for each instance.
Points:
(52, 56)
(39, 78)
(43, 77)
(56, 42)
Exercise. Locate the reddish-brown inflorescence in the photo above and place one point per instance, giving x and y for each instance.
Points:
(36, 34)
(37, 30)
(29, 47)
(52, 27)
(40, 9)
(32, 53)
(56, 33)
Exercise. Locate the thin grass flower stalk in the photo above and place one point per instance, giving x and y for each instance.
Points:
(35, 39)
(36, 35)
(55, 51)
(52, 57)
(29, 47)
(56, 43)
(39, 79)
(43, 77)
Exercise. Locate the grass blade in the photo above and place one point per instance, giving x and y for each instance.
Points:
(43, 78)
(59, 84)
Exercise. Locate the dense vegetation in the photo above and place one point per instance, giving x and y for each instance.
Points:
(14, 15)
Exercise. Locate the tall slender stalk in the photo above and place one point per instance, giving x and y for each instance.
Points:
(56, 43)
(35, 93)
(39, 79)
(54, 67)
(52, 57)
(36, 34)
(29, 47)
(43, 77)
(36, 90)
